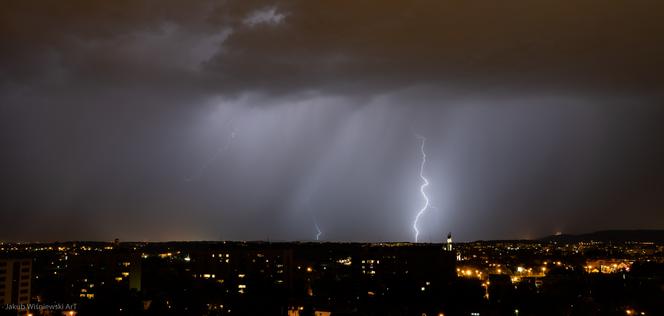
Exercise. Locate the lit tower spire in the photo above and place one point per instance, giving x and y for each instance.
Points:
(449, 242)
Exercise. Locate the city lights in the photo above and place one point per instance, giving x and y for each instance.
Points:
(496, 268)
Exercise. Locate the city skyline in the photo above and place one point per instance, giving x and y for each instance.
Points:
(287, 120)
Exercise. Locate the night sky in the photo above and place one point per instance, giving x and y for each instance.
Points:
(255, 120)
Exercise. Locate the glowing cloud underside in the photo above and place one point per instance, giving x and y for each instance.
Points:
(425, 183)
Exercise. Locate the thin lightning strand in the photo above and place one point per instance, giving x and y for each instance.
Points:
(212, 158)
(315, 221)
(319, 232)
(425, 183)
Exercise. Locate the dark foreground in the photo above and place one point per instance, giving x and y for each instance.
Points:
(236, 278)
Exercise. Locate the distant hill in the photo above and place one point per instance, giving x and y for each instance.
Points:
(612, 235)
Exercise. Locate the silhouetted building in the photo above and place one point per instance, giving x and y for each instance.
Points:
(15, 275)
(321, 279)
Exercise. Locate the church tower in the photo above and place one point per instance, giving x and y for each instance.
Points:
(449, 242)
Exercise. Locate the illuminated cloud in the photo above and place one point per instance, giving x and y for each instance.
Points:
(268, 16)
(539, 117)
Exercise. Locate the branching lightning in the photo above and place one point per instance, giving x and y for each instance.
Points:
(318, 231)
(425, 183)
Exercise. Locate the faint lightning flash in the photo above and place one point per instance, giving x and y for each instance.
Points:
(318, 231)
(212, 158)
(425, 183)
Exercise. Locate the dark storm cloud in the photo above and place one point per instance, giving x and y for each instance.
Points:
(462, 45)
(252, 119)
(312, 45)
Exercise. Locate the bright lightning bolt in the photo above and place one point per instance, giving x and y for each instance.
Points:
(425, 183)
